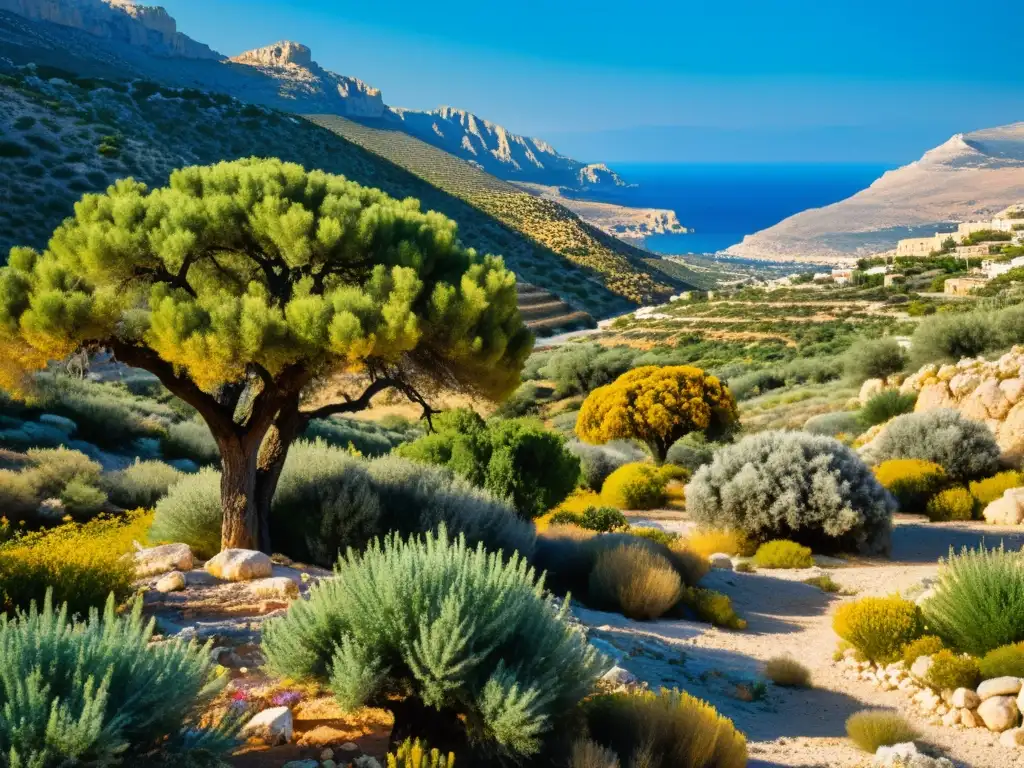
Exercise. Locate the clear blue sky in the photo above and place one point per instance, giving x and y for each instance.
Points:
(664, 80)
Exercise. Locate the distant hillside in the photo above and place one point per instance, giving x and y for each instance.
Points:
(971, 176)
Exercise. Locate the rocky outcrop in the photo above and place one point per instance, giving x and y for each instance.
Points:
(147, 27)
(990, 391)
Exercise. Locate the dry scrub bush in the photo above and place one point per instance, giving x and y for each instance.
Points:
(635, 582)
(589, 754)
(966, 449)
(950, 671)
(712, 607)
(991, 488)
(669, 729)
(1004, 661)
(926, 645)
(950, 504)
(142, 484)
(783, 554)
(874, 728)
(787, 672)
(709, 541)
(792, 485)
(912, 482)
(878, 627)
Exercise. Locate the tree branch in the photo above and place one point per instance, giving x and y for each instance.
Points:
(361, 403)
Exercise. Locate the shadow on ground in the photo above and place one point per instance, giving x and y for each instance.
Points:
(914, 541)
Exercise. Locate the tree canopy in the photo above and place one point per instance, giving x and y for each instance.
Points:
(246, 285)
(657, 406)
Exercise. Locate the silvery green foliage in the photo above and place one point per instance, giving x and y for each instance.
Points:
(599, 461)
(191, 514)
(691, 452)
(98, 693)
(831, 424)
(966, 449)
(793, 485)
(454, 627)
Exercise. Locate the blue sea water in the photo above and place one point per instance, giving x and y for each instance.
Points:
(723, 202)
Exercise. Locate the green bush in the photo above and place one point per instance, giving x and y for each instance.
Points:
(950, 504)
(782, 553)
(885, 406)
(966, 449)
(53, 468)
(991, 488)
(634, 581)
(949, 337)
(874, 359)
(463, 633)
(874, 728)
(833, 424)
(600, 519)
(712, 607)
(669, 729)
(950, 671)
(978, 602)
(191, 440)
(597, 462)
(1004, 661)
(191, 514)
(81, 499)
(98, 692)
(635, 486)
(926, 645)
(878, 627)
(142, 484)
(791, 485)
(787, 672)
(912, 482)
(691, 452)
(368, 438)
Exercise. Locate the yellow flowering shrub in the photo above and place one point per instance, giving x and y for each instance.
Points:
(783, 553)
(951, 504)
(657, 406)
(991, 488)
(634, 486)
(708, 541)
(926, 645)
(81, 563)
(912, 481)
(950, 671)
(879, 627)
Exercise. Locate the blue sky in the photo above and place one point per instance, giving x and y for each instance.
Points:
(774, 80)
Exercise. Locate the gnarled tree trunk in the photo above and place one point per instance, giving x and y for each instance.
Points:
(241, 528)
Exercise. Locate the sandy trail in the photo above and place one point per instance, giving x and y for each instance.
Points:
(799, 727)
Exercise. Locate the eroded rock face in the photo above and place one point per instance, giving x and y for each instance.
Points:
(280, 54)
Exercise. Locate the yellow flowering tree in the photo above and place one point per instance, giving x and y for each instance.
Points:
(657, 406)
(245, 287)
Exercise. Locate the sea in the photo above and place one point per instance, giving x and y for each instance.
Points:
(723, 202)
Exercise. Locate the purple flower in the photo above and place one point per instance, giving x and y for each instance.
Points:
(286, 699)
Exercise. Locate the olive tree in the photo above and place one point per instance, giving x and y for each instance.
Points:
(264, 296)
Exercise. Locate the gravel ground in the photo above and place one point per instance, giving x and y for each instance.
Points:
(800, 727)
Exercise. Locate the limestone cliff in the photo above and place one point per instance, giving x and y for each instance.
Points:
(141, 26)
(971, 176)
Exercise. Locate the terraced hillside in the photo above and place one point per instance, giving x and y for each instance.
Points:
(621, 267)
(545, 313)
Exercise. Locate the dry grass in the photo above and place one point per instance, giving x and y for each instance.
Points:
(634, 581)
(787, 672)
(874, 728)
(590, 754)
(708, 542)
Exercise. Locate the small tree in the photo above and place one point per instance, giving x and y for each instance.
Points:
(657, 406)
(246, 286)
(874, 359)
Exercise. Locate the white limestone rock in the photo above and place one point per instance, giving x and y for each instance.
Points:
(1007, 509)
(166, 557)
(172, 582)
(272, 726)
(277, 587)
(240, 565)
(1013, 738)
(999, 686)
(965, 698)
(999, 713)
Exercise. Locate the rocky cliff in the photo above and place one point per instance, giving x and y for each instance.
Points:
(971, 176)
(141, 26)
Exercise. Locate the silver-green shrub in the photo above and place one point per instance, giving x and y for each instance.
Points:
(190, 513)
(98, 692)
(691, 452)
(457, 631)
(140, 485)
(793, 485)
(599, 461)
(966, 449)
(832, 424)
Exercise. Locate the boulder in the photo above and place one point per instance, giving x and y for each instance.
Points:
(987, 401)
(999, 686)
(965, 698)
(963, 384)
(279, 587)
(998, 713)
(172, 582)
(51, 510)
(919, 669)
(166, 557)
(619, 676)
(934, 396)
(271, 726)
(969, 718)
(240, 565)
(721, 561)
(307, 763)
(1012, 389)
(869, 389)
(1007, 509)
(1013, 738)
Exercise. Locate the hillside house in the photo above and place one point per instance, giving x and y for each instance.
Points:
(992, 268)
(962, 286)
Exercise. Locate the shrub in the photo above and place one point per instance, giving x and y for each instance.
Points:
(787, 672)
(708, 541)
(1004, 661)
(416, 754)
(791, 485)
(97, 692)
(978, 602)
(885, 406)
(691, 452)
(478, 641)
(951, 504)
(664, 730)
(53, 468)
(825, 583)
(991, 488)
(966, 449)
(950, 671)
(912, 482)
(712, 607)
(82, 500)
(18, 495)
(657, 535)
(691, 566)
(600, 519)
(874, 728)
(635, 486)
(874, 359)
(366, 437)
(191, 514)
(597, 462)
(948, 337)
(80, 564)
(191, 440)
(589, 754)
(142, 484)
(783, 554)
(878, 627)
(832, 424)
(634, 581)
(926, 645)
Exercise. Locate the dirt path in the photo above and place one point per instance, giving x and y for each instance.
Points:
(799, 727)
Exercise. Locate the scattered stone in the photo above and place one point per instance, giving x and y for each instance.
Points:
(326, 754)
(999, 686)
(721, 561)
(240, 565)
(919, 669)
(51, 510)
(172, 582)
(906, 756)
(969, 719)
(366, 762)
(280, 587)
(328, 764)
(965, 698)
(167, 557)
(1012, 738)
(998, 713)
(951, 718)
(272, 726)
(619, 676)
(349, 746)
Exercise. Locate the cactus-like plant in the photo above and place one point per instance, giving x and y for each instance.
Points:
(417, 754)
